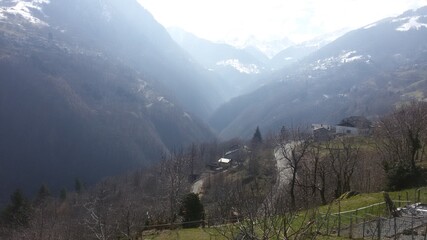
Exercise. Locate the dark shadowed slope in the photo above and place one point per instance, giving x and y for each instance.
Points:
(89, 89)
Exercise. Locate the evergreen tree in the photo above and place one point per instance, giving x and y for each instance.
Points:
(257, 138)
(18, 212)
(254, 164)
(42, 194)
(192, 211)
(254, 160)
(78, 187)
(63, 194)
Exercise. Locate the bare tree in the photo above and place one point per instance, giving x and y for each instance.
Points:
(99, 215)
(268, 215)
(401, 139)
(174, 183)
(293, 145)
(317, 172)
(192, 158)
(343, 155)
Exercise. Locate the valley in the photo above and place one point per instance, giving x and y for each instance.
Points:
(101, 94)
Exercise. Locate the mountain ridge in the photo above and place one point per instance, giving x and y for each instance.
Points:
(365, 72)
(73, 104)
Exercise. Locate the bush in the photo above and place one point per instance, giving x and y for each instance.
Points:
(403, 176)
(192, 211)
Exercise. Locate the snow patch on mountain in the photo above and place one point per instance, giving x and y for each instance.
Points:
(413, 23)
(164, 101)
(24, 9)
(241, 67)
(401, 19)
(343, 58)
(370, 26)
(350, 57)
(186, 115)
(150, 95)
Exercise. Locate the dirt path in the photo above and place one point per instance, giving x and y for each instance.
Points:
(197, 186)
(283, 169)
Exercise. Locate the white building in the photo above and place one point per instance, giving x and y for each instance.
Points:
(224, 161)
(346, 130)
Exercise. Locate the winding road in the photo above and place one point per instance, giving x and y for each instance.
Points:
(283, 169)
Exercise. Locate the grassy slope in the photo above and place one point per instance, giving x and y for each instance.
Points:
(353, 203)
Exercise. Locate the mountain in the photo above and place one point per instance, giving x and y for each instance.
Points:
(237, 68)
(269, 47)
(129, 32)
(297, 52)
(366, 72)
(91, 88)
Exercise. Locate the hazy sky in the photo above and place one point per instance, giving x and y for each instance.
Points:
(228, 20)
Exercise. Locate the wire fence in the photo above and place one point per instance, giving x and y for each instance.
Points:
(369, 222)
(374, 221)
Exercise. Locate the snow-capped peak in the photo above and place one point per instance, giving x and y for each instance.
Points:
(270, 47)
(24, 9)
(412, 24)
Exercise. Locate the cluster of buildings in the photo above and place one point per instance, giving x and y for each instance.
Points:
(353, 126)
(232, 158)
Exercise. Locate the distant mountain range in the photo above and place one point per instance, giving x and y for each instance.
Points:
(269, 47)
(244, 69)
(238, 68)
(297, 52)
(365, 72)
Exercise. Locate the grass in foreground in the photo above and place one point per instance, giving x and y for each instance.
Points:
(353, 203)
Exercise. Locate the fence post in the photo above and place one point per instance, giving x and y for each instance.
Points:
(407, 197)
(339, 218)
(356, 215)
(412, 226)
(418, 195)
(425, 233)
(379, 228)
(363, 228)
(395, 228)
(327, 224)
(399, 199)
(378, 210)
(350, 232)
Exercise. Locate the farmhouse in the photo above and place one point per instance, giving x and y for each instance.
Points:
(224, 162)
(322, 134)
(354, 126)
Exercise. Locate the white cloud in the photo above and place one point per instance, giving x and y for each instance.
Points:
(265, 19)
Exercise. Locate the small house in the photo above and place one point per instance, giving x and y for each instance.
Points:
(322, 134)
(325, 126)
(346, 130)
(354, 125)
(225, 162)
